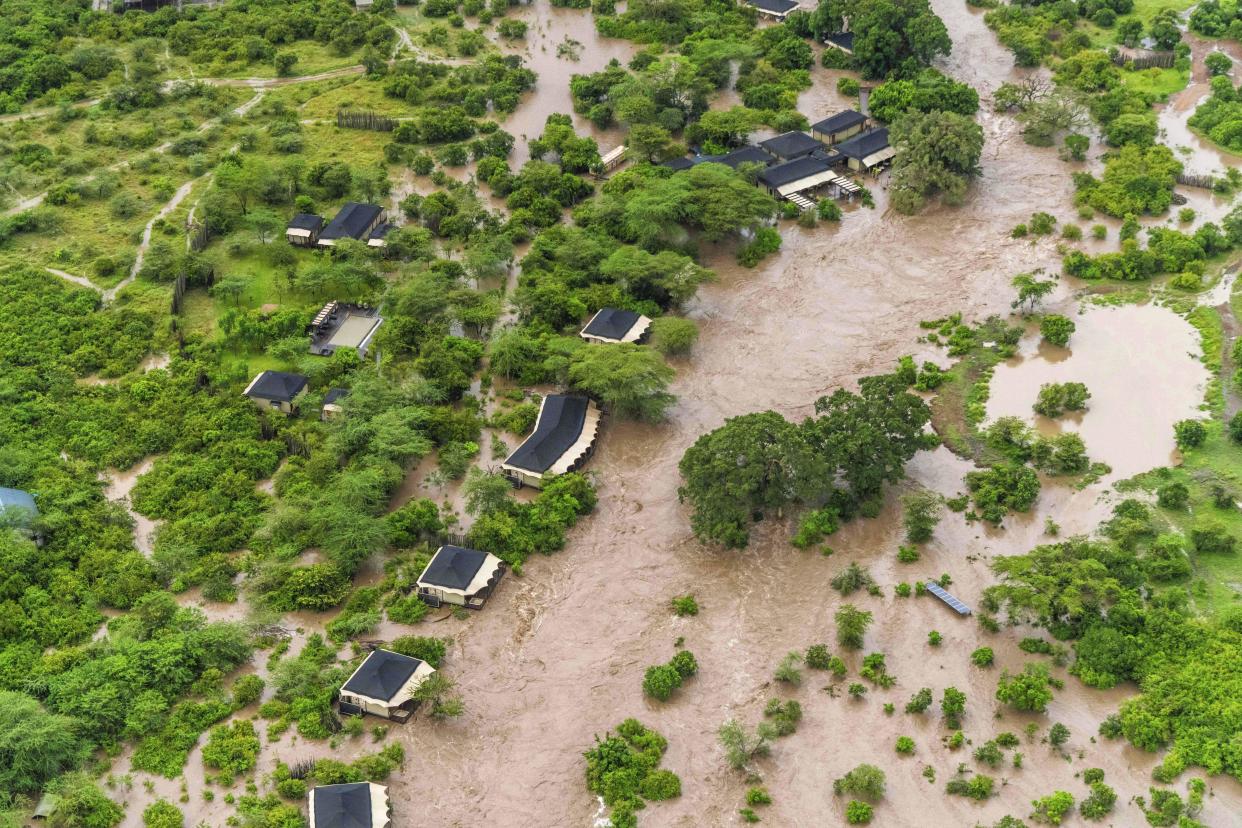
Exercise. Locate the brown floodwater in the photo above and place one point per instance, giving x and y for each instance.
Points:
(120, 484)
(558, 655)
(1141, 365)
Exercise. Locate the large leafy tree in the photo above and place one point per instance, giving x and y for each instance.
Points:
(35, 745)
(868, 437)
(631, 379)
(937, 153)
(891, 37)
(751, 464)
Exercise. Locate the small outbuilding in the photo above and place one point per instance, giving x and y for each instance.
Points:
(616, 325)
(277, 390)
(798, 176)
(774, 9)
(844, 41)
(332, 403)
(749, 154)
(350, 805)
(790, 145)
(304, 229)
(379, 235)
(562, 441)
(384, 685)
(612, 159)
(460, 576)
(354, 221)
(868, 151)
(843, 125)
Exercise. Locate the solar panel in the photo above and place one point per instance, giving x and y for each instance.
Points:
(935, 589)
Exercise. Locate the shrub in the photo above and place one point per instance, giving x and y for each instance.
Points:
(982, 657)
(952, 705)
(1099, 232)
(1212, 538)
(1028, 690)
(660, 681)
(782, 718)
(685, 664)
(673, 335)
(247, 690)
(934, 638)
(424, 648)
(848, 87)
(1052, 809)
(660, 785)
(232, 748)
(1071, 232)
(1041, 224)
(1056, 329)
(1058, 734)
(851, 579)
(623, 769)
(817, 657)
(684, 605)
(1189, 433)
(907, 554)
(1019, 231)
(787, 671)
(989, 753)
(1099, 803)
(1056, 398)
(162, 814)
(758, 796)
(905, 745)
(865, 781)
(828, 210)
(740, 747)
(858, 813)
(979, 787)
(1174, 495)
(920, 701)
(857, 690)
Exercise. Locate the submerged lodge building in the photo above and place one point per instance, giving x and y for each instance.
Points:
(460, 576)
(616, 325)
(563, 439)
(350, 805)
(384, 685)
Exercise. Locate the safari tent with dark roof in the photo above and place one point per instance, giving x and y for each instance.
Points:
(354, 221)
(563, 438)
(384, 685)
(839, 127)
(616, 325)
(350, 805)
(790, 145)
(867, 150)
(460, 576)
(277, 390)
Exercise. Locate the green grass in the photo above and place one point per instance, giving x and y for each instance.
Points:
(1159, 83)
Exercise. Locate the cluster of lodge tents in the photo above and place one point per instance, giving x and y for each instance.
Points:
(795, 164)
(360, 222)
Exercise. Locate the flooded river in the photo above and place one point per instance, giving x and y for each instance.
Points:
(559, 654)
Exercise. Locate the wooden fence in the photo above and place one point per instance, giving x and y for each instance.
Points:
(364, 120)
(197, 235)
(1200, 180)
(1144, 59)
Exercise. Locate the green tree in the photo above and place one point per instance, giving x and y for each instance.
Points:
(937, 153)
(922, 513)
(162, 814)
(752, 463)
(852, 626)
(630, 379)
(35, 745)
(1056, 329)
(485, 492)
(864, 781)
(1028, 690)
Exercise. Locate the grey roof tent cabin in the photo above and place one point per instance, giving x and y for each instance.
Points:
(797, 176)
(331, 406)
(867, 150)
(460, 576)
(384, 685)
(839, 127)
(616, 325)
(790, 145)
(563, 439)
(277, 390)
(775, 9)
(340, 325)
(841, 40)
(304, 229)
(354, 221)
(749, 154)
(350, 805)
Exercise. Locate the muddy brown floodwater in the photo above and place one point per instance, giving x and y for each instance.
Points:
(558, 655)
(1114, 352)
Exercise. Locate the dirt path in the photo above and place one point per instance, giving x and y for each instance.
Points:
(81, 281)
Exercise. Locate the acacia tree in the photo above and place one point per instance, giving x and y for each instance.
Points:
(750, 464)
(630, 378)
(937, 153)
(35, 745)
(890, 36)
(852, 625)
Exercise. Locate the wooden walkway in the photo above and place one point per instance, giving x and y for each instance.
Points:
(939, 592)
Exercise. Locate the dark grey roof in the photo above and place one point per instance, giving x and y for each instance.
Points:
(334, 394)
(791, 145)
(306, 221)
(382, 674)
(17, 499)
(782, 174)
(747, 154)
(842, 120)
(277, 385)
(843, 40)
(678, 164)
(381, 230)
(343, 806)
(864, 144)
(352, 221)
(560, 424)
(453, 567)
(611, 323)
(775, 6)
